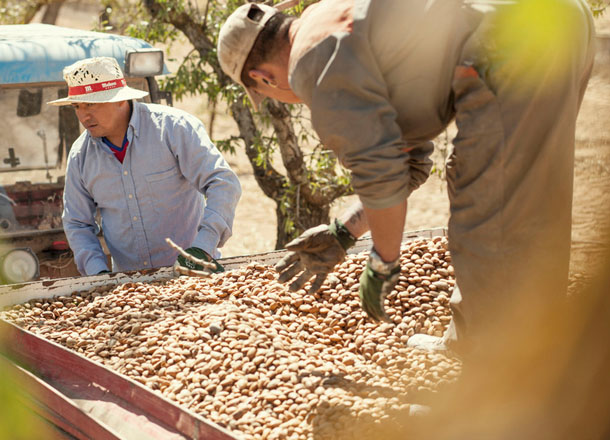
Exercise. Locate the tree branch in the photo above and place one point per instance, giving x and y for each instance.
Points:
(184, 22)
(269, 180)
(292, 157)
(312, 203)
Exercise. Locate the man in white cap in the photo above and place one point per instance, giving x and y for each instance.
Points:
(152, 172)
(382, 79)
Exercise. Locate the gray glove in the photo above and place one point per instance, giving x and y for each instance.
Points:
(315, 253)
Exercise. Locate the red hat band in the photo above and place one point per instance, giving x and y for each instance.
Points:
(96, 87)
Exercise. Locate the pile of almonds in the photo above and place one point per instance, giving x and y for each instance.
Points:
(244, 352)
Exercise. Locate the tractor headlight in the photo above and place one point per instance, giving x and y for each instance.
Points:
(144, 62)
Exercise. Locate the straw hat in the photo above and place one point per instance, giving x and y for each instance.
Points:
(97, 80)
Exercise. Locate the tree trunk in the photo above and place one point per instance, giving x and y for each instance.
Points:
(51, 12)
(309, 217)
(30, 11)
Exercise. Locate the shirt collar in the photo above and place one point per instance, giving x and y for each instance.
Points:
(134, 122)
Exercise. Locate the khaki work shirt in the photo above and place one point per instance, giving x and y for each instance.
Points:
(380, 90)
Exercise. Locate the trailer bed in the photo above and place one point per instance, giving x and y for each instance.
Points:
(89, 400)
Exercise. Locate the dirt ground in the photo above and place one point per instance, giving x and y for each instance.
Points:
(255, 224)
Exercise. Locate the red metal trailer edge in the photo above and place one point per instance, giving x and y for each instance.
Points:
(78, 378)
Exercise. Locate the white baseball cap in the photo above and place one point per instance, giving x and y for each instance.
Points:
(237, 37)
(96, 80)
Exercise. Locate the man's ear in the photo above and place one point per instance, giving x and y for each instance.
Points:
(262, 76)
(124, 107)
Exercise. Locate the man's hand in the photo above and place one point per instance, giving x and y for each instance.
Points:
(376, 282)
(315, 253)
(200, 254)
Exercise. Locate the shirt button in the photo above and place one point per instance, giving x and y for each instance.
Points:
(130, 196)
(125, 172)
(145, 263)
(135, 218)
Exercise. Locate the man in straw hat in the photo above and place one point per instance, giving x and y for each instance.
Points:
(152, 172)
(382, 79)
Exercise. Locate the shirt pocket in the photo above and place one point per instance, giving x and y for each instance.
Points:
(165, 188)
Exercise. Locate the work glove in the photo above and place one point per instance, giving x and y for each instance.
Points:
(376, 282)
(314, 254)
(202, 255)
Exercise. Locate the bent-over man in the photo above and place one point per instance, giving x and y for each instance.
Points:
(384, 78)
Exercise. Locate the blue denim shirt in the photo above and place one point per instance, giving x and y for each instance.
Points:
(172, 183)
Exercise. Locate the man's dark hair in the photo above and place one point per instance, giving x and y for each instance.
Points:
(266, 45)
